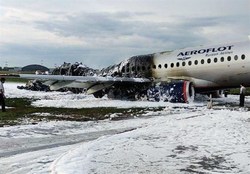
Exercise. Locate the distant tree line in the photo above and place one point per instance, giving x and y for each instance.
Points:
(6, 68)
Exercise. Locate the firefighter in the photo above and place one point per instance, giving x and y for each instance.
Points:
(242, 95)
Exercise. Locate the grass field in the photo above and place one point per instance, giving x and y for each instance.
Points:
(236, 91)
(20, 111)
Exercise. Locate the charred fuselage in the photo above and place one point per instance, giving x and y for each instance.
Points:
(134, 67)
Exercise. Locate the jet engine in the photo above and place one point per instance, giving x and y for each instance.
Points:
(175, 92)
(180, 92)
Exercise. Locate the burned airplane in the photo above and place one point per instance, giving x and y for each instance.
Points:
(173, 76)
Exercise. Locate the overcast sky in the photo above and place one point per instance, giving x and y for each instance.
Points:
(99, 33)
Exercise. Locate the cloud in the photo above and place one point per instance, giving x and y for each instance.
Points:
(90, 24)
(103, 33)
(117, 26)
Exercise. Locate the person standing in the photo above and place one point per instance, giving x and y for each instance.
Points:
(242, 95)
(2, 96)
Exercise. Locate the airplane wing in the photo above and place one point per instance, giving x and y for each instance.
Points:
(91, 83)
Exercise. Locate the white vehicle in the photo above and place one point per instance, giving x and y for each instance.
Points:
(178, 74)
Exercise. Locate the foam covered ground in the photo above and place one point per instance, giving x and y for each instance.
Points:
(183, 138)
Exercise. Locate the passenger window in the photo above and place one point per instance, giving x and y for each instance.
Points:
(133, 68)
(172, 65)
(177, 64)
(196, 62)
(243, 56)
(208, 60)
(222, 59)
(143, 68)
(138, 68)
(235, 57)
(123, 69)
(229, 58)
(154, 66)
(159, 66)
(166, 65)
(202, 61)
(215, 60)
(183, 63)
(189, 63)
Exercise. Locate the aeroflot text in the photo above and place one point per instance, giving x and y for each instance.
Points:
(202, 51)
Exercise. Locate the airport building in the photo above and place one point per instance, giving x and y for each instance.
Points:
(34, 68)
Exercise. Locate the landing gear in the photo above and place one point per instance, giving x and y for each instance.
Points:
(99, 94)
